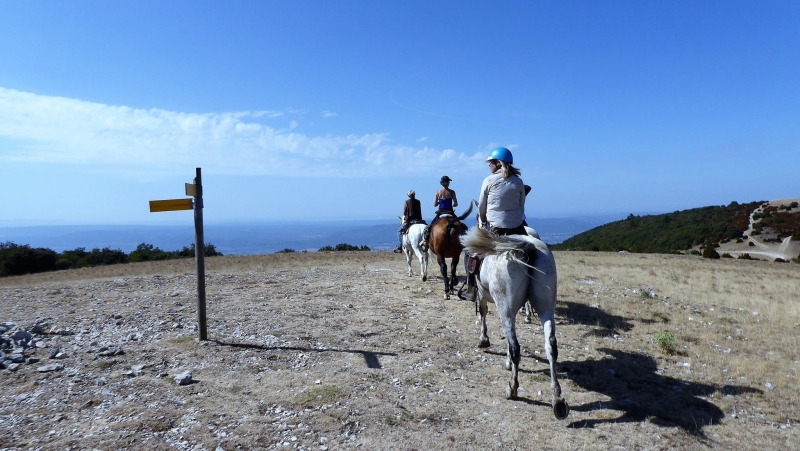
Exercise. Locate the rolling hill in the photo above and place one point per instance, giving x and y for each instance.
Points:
(755, 224)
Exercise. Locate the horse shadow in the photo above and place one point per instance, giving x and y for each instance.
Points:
(605, 325)
(636, 389)
(632, 382)
(371, 359)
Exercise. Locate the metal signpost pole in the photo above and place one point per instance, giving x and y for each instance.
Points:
(199, 252)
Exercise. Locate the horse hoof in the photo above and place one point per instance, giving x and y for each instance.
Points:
(511, 394)
(561, 409)
(447, 296)
(424, 278)
(528, 321)
(484, 343)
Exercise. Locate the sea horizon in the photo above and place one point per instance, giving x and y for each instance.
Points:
(253, 237)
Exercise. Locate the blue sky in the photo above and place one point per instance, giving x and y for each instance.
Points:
(333, 110)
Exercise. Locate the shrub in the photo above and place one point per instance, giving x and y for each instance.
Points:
(744, 256)
(343, 247)
(285, 251)
(727, 255)
(18, 259)
(710, 252)
(666, 341)
(694, 252)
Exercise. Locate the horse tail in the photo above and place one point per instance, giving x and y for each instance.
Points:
(469, 210)
(520, 248)
(423, 246)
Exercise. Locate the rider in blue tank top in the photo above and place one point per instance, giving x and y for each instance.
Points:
(445, 200)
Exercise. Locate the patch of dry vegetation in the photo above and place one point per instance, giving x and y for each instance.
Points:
(343, 351)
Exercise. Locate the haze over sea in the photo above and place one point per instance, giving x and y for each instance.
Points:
(244, 238)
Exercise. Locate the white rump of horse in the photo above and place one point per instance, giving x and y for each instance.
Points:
(414, 244)
(515, 269)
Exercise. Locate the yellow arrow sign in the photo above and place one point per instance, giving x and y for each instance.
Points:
(170, 205)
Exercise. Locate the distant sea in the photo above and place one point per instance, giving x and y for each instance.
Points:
(254, 237)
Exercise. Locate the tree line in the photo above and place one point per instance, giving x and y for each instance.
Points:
(18, 259)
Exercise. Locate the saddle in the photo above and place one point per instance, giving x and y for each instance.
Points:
(404, 228)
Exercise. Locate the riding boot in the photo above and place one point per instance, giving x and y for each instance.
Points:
(472, 293)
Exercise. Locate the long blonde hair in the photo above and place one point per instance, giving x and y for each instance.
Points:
(508, 169)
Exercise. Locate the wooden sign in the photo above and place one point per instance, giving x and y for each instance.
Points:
(170, 205)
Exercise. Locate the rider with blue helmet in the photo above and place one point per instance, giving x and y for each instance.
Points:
(501, 202)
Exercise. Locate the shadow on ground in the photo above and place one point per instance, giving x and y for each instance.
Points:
(637, 390)
(604, 324)
(371, 359)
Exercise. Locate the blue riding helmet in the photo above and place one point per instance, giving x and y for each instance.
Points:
(502, 154)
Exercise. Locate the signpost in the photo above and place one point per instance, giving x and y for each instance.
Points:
(194, 189)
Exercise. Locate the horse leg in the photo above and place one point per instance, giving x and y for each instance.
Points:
(528, 315)
(443, 269)
(560, 406)
(512, 355)
(453, 277)
(483, 307)
(423, 267)
(407, 250)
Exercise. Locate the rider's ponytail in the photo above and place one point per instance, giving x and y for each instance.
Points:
(508, 169)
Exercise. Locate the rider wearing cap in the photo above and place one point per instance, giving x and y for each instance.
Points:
(445, 201)
(501, 202)
(412, 211)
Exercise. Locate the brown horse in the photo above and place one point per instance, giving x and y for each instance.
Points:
(445, 243)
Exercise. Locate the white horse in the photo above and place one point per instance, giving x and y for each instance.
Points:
(414, 244)
(517, 268)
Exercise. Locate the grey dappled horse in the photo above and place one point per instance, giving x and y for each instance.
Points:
(517, 268)
(414, 244)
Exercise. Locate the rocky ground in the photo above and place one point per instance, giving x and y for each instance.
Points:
(344, 351)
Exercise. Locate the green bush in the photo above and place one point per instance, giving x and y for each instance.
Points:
(710, 252)
(18, 259)
(285, 251)
(666, 342)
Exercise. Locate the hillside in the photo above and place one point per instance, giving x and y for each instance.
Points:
(760, 223)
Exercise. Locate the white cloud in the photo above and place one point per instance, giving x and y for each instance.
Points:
(328, 114)
(423, 139)
(49, 129)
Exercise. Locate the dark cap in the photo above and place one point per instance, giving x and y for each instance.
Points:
(445, 179)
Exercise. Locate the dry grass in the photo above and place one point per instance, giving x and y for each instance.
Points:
(345, 346)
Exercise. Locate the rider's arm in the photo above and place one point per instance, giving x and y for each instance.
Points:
(482, 201)
(455, 201)
(436, 200)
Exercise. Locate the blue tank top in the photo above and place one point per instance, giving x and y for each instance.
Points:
(445, 204)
